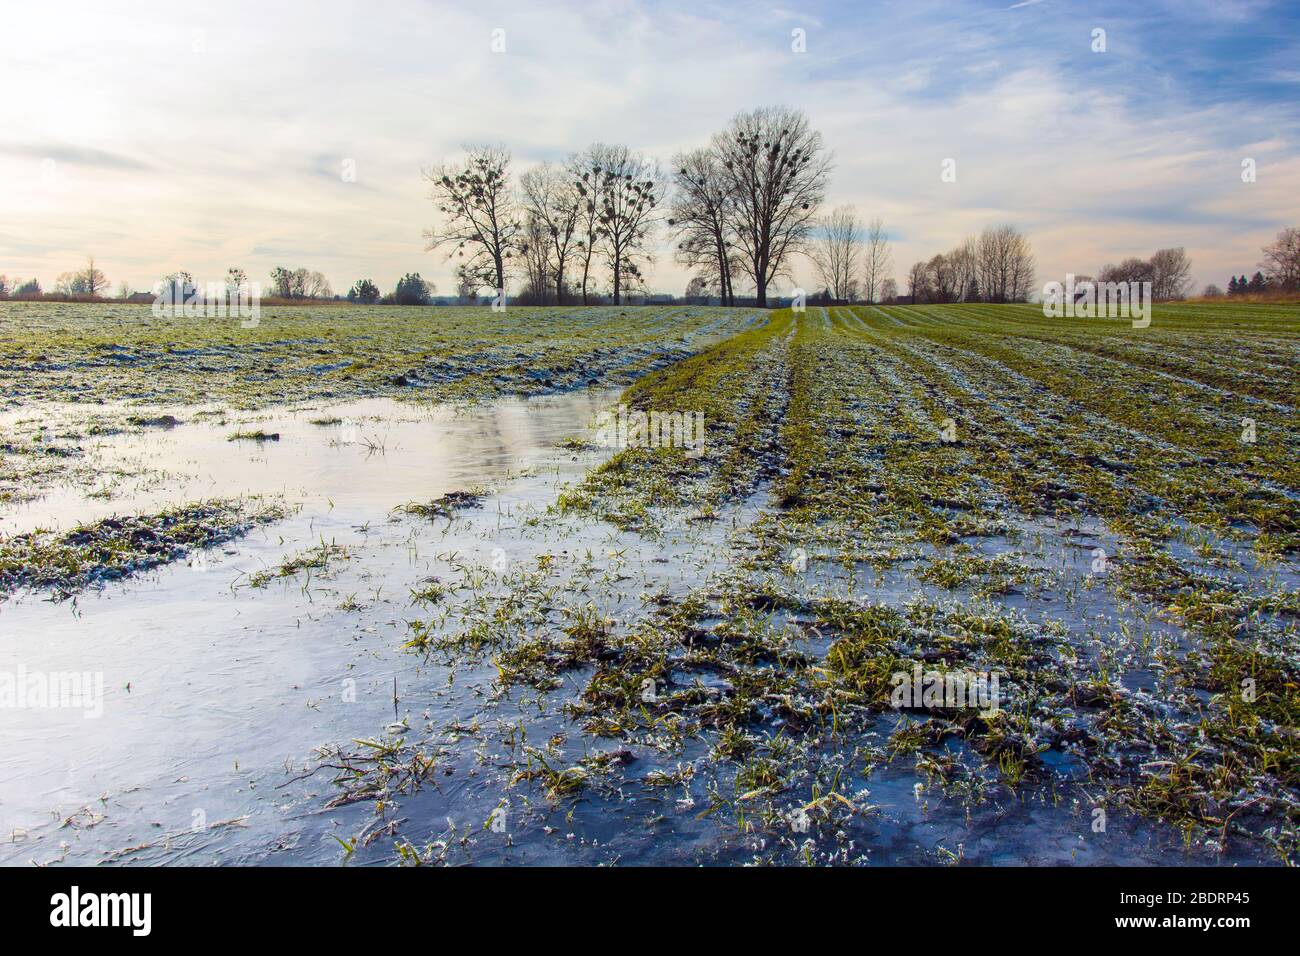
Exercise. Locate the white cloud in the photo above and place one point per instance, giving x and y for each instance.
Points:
(208, 137)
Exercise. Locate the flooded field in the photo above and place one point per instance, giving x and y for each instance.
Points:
(363, 589)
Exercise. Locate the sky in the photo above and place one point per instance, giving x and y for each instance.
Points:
(199, 136)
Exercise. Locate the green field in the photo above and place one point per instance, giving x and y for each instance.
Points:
(1112, 512)
(87, 352)
(1106, 517)
(1132, 441)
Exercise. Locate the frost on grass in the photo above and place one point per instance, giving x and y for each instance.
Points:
(117, 547)
(956, 489)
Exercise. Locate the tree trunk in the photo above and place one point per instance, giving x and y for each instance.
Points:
(618, 271)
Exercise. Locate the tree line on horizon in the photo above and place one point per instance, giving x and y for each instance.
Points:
(739, 210)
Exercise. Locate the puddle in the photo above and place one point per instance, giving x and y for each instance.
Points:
(373, 454)
(214, 692)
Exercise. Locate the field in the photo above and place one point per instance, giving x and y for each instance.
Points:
(565, 652)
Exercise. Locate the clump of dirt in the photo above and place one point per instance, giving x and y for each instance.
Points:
(444, 507)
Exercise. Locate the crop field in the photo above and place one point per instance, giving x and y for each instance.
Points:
(558, 651)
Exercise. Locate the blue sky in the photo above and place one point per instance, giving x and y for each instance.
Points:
(161, 136)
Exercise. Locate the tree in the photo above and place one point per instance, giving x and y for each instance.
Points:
(365, 292)
(964, 262)
(70, 283)
(1281, 263)
(587, 173)
(1170, 274)
(876, 263)
(178, 286)
(888, 290)
(6, 288)
(411, 290)
(317, 286)
(1233, 288)
(1258, 284)
(1212, 291)
(942, 279)
(776, 170)
(281, 282)
(625, 188)
(535, 251)
(236, 281)
(698, 287)
(1004, 265)
(466, 286)
(481, 218)
(702, 216)
(1131, 269)
(918, 282)
(834, 251)
(93, 281)
(552, 197)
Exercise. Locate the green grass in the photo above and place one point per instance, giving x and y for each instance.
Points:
(87, 352)
(118, 547)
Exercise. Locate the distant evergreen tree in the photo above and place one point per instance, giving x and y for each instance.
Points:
(411, 290)
(365, 292)
(1257, 283)
(1232, 285)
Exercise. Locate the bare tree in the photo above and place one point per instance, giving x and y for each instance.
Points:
(777, 170)
(701, 215)
(179, 285)
(551, 196)
(1004, 265)
(963, 260)
(281, 282)
(538, 264)
(588, 174)
(834, 251)
(876, 262)
(918, 282)
(481, 219)
(626, 194)
(92, 279)
(942, 279)
(236, 280)
(888, 290)
(1170, 274)
(1281, 262)
(70, 283)
(317, 286)
(1131, 269)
